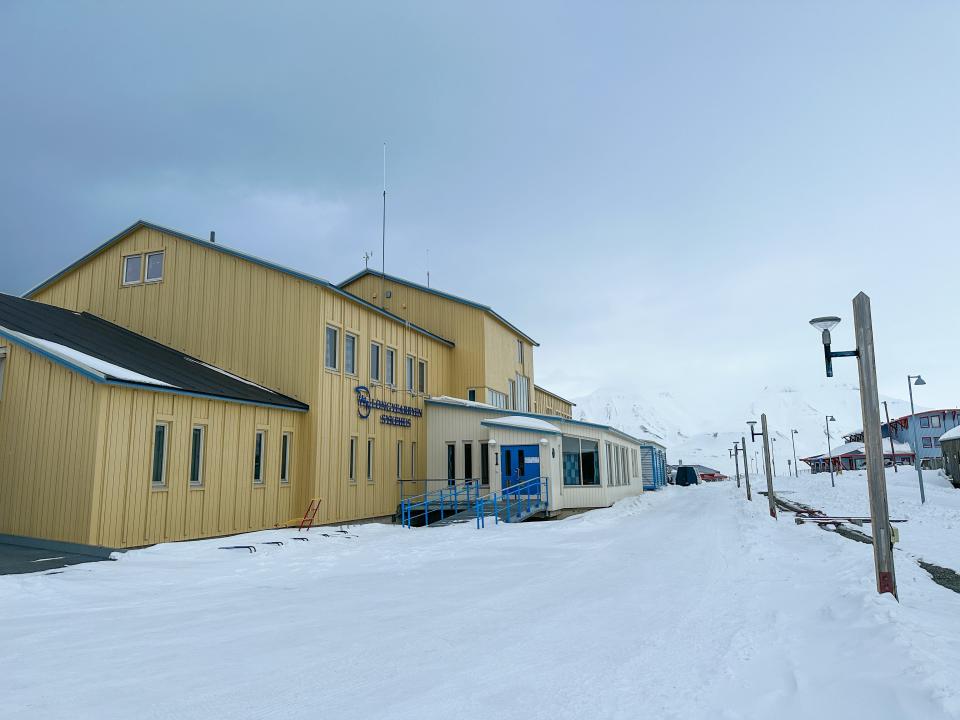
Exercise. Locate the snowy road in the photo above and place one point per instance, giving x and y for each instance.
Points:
(686, 603)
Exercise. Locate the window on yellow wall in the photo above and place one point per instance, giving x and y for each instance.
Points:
(132, 269)
(352, 461)
(196, 455)
(413, 461)
(154, 270)
(408, 371)
(286, 443)
(399, 459)
(160, 433)
(331, 348)
(375, 350)
(422, 377)
(350, 354)
(369, 459)
(258, 450)
(390, 367)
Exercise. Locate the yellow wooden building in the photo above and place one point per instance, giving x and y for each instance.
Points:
(345, 371)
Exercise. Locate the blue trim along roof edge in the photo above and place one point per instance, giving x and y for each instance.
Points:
(104, 380)
(549, 418)
(439, 293)
(243, 256)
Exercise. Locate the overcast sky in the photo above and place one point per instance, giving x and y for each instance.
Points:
(661, 193)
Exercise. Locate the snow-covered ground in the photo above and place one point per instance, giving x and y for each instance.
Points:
(687, 603)
(932, 530)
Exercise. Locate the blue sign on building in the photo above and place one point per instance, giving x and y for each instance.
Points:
(394, 414)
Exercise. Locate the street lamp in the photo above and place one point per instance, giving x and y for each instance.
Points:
(872, 437)
(893, 450)
(796, 468)
(911, 381)
(765, 434)
(830, 419)
(735, 454)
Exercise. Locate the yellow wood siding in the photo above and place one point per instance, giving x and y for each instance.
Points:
(546, 403)
(502, 359)
(267, 326)
(461, 324)
(485, 355)
(131, 512)
(48, 427)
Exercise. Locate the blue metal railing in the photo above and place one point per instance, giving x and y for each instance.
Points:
(447, 501)
(517, 501)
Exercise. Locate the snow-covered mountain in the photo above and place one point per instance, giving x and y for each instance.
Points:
(701, 430)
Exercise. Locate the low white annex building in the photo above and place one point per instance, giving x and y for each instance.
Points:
(583, 464)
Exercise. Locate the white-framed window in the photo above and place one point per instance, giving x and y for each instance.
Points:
(610, 473)
(497, 399)
(520, 352)
(375, 350)
(522, 402)
(422, 377)
(934, 421)
(259, 447)
(3, 368)
(390, 367)
(161, 432)
(399, 459)
(331, 348)
(512, 394)
(352, 461)
(581, 461)
(154, 267)
(350, 354)
(286, 447)
(408, 372)
(369, 459)
(132, 269)
(413, 460)
(472, 395)
(197, 442)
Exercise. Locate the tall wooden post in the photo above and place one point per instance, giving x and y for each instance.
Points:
(873, 444)
(736, 462)
(766, 466)
(746, 466)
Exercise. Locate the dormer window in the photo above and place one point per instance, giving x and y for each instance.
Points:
(144, 268)
(154, 267)
(132, 269)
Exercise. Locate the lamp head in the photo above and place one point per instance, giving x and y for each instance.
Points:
(831, 418)
(794, 432)
(919, 381)
(828, 322)
(751, 422)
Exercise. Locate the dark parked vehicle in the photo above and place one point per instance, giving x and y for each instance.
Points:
(687, 475)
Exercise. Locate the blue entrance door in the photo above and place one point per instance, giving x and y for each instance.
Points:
(519, 463)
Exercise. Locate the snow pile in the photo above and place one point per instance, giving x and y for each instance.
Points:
(930, 531)
(685, 604)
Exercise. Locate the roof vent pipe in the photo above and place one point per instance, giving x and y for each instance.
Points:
(213, 236)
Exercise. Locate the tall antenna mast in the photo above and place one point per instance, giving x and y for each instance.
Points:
(383, 235)
(428, 267)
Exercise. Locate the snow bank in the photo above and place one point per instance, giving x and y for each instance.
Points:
(685, 604)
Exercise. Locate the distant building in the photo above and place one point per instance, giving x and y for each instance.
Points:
(950, 447)
(924, 438)
(653, 457)
(851, 456)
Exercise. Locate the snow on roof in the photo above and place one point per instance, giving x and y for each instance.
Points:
(951, 434)
(88, 362)
(857, 448)
(523, 422)
(465, 403)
